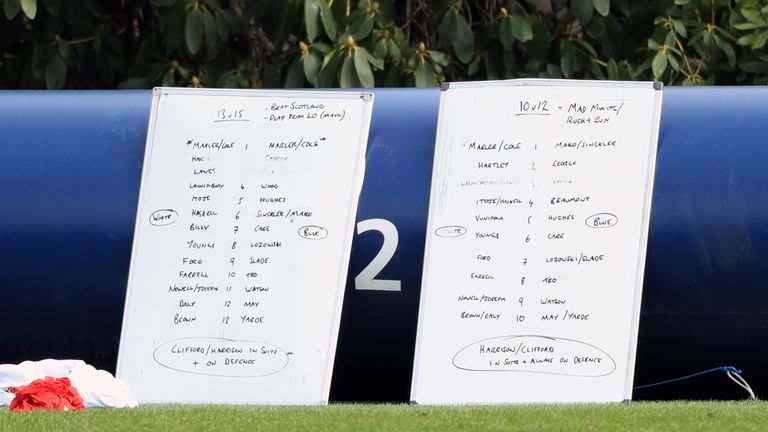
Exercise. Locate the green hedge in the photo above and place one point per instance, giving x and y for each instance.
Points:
(84, 44)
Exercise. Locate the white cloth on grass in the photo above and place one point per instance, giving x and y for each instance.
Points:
(98, 388)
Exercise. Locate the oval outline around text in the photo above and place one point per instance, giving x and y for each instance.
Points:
(322, 230)
(445, 231)
(177, 368)
(616, 220)
(551, 339)
(172, 217)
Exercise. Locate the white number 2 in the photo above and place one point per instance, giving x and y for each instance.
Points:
(366, 280)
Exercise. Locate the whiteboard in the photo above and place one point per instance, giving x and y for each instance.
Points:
(536, 237)
(241, 247)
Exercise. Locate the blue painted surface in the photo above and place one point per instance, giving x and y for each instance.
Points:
(70, 166)
(374, 357)
(705, 302)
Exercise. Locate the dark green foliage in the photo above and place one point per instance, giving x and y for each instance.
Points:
(84, 44)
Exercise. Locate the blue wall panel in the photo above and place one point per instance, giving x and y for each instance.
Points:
(378, 329)
(70, 166)
(705, 302)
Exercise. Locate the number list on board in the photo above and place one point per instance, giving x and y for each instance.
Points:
(242, 241)
(536, 239)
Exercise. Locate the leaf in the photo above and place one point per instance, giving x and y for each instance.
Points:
(376, 63)
(230, 79)
(582, 10)
(727, 48)
(329, 57)
(424, 75)
(109, 39)
(490, 69)
(393, 49)
(455, 33)
(326, 16)
(211, 34)
(509, 61)
(312, 19)
(168, 80)
(747, 26)
(679, 28)
(587, 47)
(474, 66)
(446, 29)
(295, 76)
(174, 36)
(752, 16)
(53, 6)
(760, 40)
(93, 7)
(348, 77)
(322, 48)
(613, 70)
(568, 59)
(11, 8)
(553, 71)
(311, 66)
(40, 57)
(193, 31)
(222, 28)
(522, 30)
(330, 66)
(212, 4)
(30, 8)
(134, 84)
(364, 73)
(674, 63)
(380, 49)
(439, 57)
(65, 51)
(387, 12)
(183, 72)
(538, 47)
(623, 6)
(747, 40)
(659, 64)
(597, 71)
(506, 34)
(361, 28)
(603, 7)
(235, 22)
(55, 72)
(670, 39)
(464, 40)
(754, 67)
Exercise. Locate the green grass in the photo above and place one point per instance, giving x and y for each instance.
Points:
(638, 416)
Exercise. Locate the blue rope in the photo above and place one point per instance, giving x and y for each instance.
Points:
(725, 369)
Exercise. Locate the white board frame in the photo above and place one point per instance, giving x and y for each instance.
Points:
(644, 228)
(341, 271)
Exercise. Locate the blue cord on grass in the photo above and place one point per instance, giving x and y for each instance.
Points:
(725, 369)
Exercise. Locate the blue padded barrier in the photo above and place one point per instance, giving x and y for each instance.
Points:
(70, 166)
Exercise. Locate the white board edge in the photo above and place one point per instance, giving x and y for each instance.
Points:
(357, 188)
(427, 246)
(151, 124)
(643, 246)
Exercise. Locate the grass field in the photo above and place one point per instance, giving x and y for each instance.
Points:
(638, 416)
